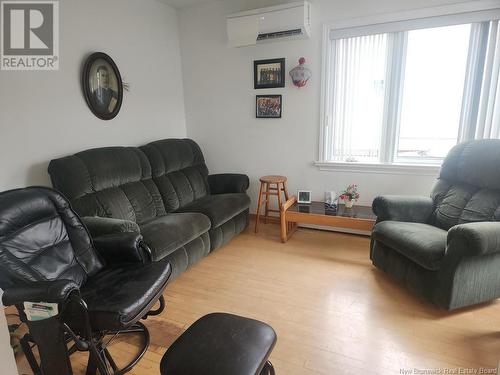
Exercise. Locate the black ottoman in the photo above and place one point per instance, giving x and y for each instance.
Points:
(221, 344)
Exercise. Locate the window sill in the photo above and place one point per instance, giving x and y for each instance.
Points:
(379, 168)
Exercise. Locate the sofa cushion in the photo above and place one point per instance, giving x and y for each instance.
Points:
(168, 233)
(113, 182)
(178, 170)
(468, 188)
(460, 203)
(219, 208)
(474, 163)
(221, 235)
(422, 243)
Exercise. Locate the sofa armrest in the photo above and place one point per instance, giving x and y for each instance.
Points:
(403, 208)
(471, 239)
(56, 291)
(99, 226)
(228, 183)
(122, 248)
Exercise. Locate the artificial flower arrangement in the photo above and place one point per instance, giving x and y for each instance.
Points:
(350, 195)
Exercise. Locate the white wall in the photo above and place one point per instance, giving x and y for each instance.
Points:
(220, 100)
(44, 114)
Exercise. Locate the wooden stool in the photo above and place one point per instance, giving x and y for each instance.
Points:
(267, 189)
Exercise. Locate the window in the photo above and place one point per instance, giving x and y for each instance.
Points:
(406, 92)
(433, 85)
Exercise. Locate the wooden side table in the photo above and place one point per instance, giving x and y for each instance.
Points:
(359, 218)
(270, 185)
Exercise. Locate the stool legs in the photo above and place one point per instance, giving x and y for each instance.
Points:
(266, 190)
(279, 190)
(257, 219)
(285, 190)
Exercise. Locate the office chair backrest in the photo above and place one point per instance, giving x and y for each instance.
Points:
(41, 238)
(468, 188)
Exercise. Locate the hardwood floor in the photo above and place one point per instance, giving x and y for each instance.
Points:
(334, 313)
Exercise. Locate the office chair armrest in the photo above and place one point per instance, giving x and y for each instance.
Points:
(122, 248)
(228, 183)
(98, 226)
(471, 239)
(56, 291)
(403, 208)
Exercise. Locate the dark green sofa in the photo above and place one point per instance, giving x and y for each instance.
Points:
(446, 248)
(161, 190)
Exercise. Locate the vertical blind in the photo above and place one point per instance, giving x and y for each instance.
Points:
(488, 119)
(358, 95)
(480, 116)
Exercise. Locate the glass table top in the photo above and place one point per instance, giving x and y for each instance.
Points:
(319, 208)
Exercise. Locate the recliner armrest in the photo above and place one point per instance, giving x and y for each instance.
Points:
(99, 226)
(478, 238)
(403, 208)
(122, 248)
(228, 183)
(56, 291)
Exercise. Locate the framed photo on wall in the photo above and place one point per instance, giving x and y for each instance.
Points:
(269, 74)
(268, 106)
(102, 86)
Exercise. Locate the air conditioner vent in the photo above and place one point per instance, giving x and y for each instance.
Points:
(279, 34)
(285, 22)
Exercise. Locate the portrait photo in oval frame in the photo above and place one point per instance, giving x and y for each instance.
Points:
(102, 86)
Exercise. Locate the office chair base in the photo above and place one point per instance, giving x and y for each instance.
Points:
(268, 369)
(28, 353)
(100, 358)
(159, 310)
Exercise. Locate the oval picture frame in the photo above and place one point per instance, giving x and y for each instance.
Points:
(102, 86)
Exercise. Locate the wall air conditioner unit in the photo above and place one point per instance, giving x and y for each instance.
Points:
(276, 23)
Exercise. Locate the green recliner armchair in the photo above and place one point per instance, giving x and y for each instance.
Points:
(446, 248)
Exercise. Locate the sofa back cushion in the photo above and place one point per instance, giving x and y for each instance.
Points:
(109, 182)
(179, 171)
(468, 188)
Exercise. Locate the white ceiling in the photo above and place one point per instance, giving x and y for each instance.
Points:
(246, 4)
(184, 3)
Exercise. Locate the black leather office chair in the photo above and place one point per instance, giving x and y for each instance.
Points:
(47, 255)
